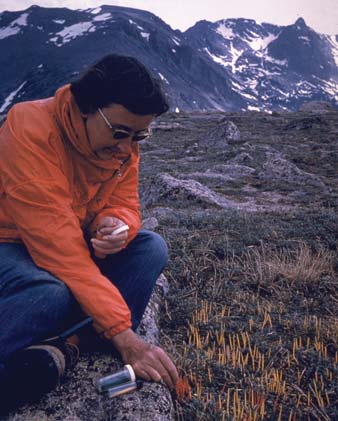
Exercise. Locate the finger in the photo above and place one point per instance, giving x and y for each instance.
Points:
(142, 374)
(106, 245)
(121, 236)
(169, 367)
(107, 230)
(162, 365)
(100, 255)
(154, 374)
(106, 251)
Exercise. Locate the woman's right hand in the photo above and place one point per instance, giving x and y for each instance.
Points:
(149, 362)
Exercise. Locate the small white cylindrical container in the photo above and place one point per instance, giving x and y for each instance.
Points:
(121, 377)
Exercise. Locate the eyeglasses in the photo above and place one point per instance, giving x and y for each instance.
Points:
(119, 133)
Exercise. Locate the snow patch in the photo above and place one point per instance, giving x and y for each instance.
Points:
(103, 17)
(15, 26)
(173, 50)
(10, 97)
(145, 35)
(71, 32)
(217, 59)
(225, 31)
(259, 44)
(163, 78)
(276, 61)
(334, 43)
(95, 11)
(176, 41)
(60, 21)
(246, 95)
(306, 39)
(236, 54)
(252, 108)
(40, 66)
(331, 87)
(237, 86)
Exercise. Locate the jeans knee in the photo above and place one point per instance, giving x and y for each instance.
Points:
(157, 248)
(56, 299)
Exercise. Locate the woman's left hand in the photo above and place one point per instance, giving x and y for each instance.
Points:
(106, 242)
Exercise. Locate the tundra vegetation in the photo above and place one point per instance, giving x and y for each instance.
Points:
(248, 205)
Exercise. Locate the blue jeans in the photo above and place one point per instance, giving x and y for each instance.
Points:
(35, 305)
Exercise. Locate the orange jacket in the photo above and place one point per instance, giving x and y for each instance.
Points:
(52, 187)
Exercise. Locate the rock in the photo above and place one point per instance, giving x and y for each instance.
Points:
(280, 169)
(223, 134)
(221, 173)
(76, 399)
(316, 107)
(164, 186)
(235, 171)
(150, 223)
(164, 214)
(166, 126)
(241, 159)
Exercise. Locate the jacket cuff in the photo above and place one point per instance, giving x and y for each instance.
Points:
(112, 331)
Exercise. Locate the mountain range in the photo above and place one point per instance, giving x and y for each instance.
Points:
(230, 65)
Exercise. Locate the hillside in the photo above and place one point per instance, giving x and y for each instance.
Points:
(227, 65)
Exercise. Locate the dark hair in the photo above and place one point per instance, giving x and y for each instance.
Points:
(123, 80)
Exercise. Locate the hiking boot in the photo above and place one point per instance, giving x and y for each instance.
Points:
(36, 370)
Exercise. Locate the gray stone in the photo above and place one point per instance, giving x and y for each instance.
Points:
(164, 214)
(234, 171)
(165, 126)
(168, 187)
(219, 137)
(243, 158)
(279, 168)
(150, 223)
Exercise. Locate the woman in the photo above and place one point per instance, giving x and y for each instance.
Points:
(68, 182)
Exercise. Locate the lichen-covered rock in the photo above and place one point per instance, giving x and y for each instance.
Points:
(171, 188)
(234, 171)
(278, 168)
(150, 223)
(76, 399)
(223, 134)
(220, 172)
(243, 158)
(164, 214)
(165, 126)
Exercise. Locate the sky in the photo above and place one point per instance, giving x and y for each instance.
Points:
(321, 15)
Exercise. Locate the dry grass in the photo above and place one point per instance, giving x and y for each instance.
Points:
(299, 265)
